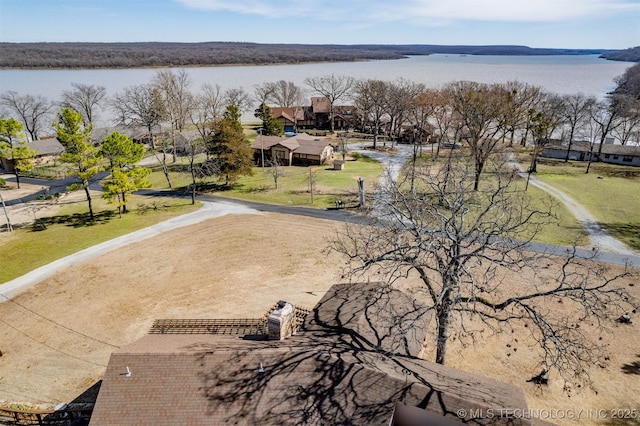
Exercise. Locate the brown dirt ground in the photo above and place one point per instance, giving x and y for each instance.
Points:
(56, 337)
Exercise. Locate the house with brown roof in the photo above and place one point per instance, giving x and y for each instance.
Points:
(297, 150)
(293, 118)
(353, 359)
(344, 116)
(316, 116)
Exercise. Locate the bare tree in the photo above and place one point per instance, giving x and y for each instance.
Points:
(275, 170)
(371, 98)
(400, 96)
(478, 109)
(140, 105)
(575, 115)
(193, 148)
(174, 87)
(629, 119)
(543, 121)
(84, 99)
(520, 98)
(334, 88)
(434, 106)
(237, 98)
(206, 109)
(628, 84)
(33, 111)
(286, 94)
(262, 93)
(462, 245)
(604, 116)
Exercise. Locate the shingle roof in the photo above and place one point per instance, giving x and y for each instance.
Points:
(301, 143)
(580, 146)
(288, 113)
(50, 146)
(349, 365)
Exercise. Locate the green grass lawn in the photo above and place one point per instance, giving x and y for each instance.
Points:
(565, 229)
(293, 184)
(610, 193)
(70, 231)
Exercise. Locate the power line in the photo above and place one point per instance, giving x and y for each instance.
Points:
(58, 324)
(50, 347)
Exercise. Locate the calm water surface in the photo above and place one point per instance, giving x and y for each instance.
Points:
(560, 74)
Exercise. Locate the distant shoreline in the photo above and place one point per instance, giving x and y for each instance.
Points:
(34, 56)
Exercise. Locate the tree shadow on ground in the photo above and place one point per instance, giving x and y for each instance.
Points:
(629, 232)
(632, 367)
(212, 187)
(76, 220)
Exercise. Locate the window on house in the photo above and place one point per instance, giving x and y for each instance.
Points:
(615, 157)
(280, 154)
(627, 158)
(607, 156)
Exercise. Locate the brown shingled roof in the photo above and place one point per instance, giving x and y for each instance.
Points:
(301, 143)
(349, 365)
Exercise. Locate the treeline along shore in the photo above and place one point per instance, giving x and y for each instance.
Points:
(162, 54)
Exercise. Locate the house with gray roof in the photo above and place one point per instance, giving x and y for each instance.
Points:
(626, 155)
(48, 149)
(353, 359)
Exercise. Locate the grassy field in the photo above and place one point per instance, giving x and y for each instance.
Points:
(610, 193)
(293, 185)
(70, 231)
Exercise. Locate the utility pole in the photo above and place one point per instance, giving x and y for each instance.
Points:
(311, 183)
(4, 207)
(261, 147)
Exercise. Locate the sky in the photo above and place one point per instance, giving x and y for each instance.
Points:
(573, 24)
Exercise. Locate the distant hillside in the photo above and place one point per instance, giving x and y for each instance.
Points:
(628, 55)
(142, 55)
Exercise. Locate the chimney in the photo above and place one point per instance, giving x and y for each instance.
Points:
(280, 322)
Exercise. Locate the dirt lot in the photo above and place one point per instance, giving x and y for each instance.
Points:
(56, 338)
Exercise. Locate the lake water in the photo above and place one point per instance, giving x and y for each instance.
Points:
(560, 74)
